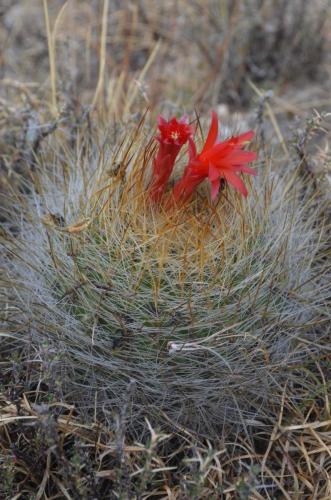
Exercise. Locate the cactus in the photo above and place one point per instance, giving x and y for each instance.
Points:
(204, 311)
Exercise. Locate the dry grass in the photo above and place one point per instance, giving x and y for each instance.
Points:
(105, 46)
(47, 450)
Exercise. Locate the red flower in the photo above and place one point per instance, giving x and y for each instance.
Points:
(217, 160)
(173, 135)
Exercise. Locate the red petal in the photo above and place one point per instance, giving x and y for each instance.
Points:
(245, 137)
(226, 147)
(213, 173)
(236, 158)
(184, 188)
(236, 182)
(162, 165)
(192, 149)
(247, 170)
(215, 187)
(212, 134)
(161, 121)
(216, 152)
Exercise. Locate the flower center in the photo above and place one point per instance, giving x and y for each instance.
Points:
(175, 135)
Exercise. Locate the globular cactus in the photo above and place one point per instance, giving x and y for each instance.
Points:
(204, 310)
